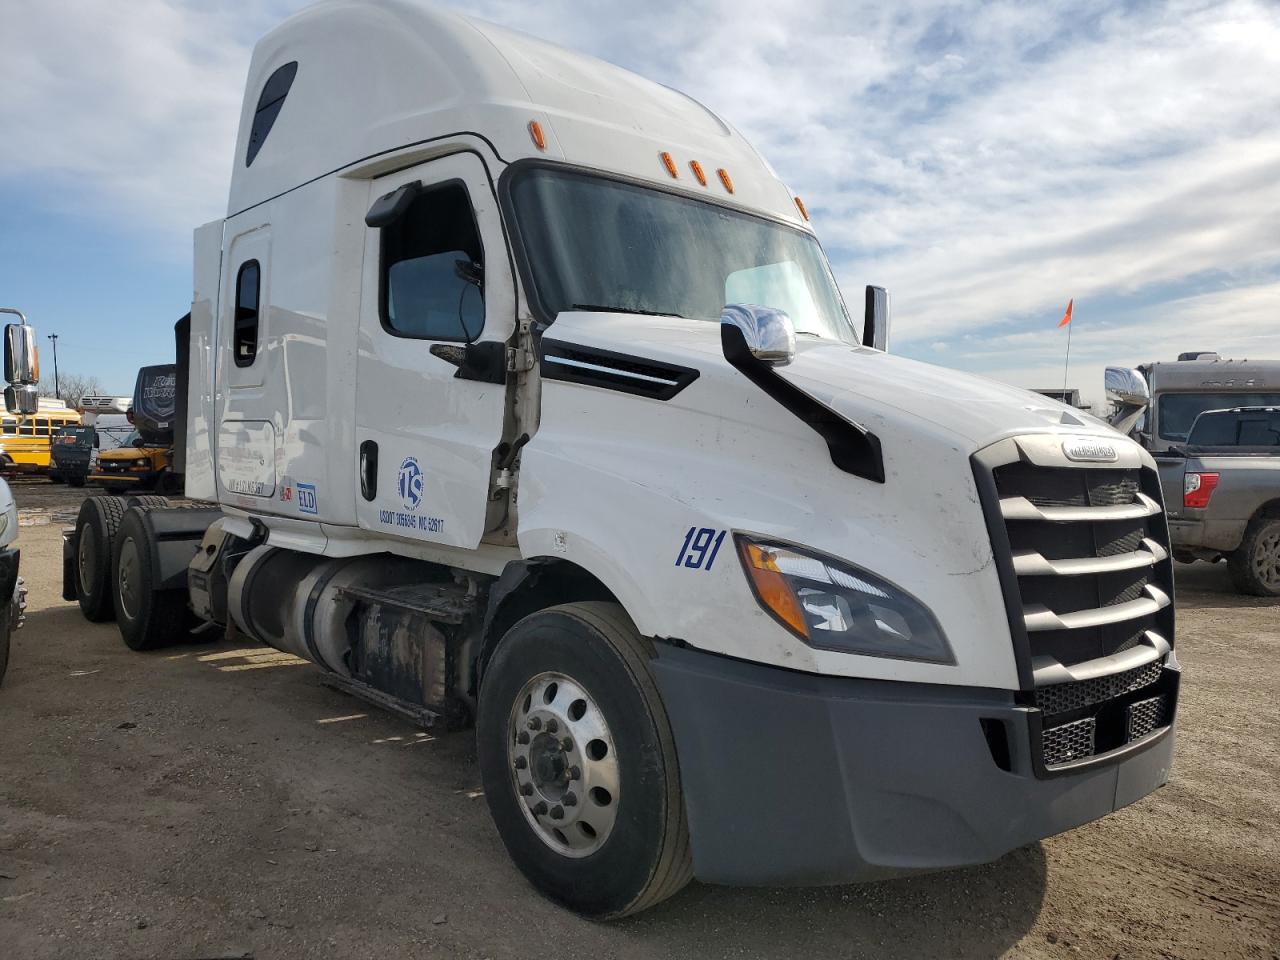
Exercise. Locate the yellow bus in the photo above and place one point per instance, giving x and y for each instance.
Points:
(25, 441)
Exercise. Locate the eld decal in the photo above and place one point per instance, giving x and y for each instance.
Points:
(307, 501)
(1089, 451)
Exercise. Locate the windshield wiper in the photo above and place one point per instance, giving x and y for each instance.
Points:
(599, 308)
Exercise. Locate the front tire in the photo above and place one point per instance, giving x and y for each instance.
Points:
(579, 764)
(1255, 566)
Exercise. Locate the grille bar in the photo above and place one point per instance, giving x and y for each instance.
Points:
(1039, 618)
(1021, 508)
(1032, 563)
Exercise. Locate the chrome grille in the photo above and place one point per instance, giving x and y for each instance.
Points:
(1065, 697)
(1071, 741)
(1083, 553)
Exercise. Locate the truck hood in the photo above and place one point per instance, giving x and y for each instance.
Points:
(870, 387)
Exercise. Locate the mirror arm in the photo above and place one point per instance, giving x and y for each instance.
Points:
(853, 448)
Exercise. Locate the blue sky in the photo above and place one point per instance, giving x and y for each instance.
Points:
(985, 161)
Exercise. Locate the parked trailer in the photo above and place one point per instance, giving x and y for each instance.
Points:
(523, 396)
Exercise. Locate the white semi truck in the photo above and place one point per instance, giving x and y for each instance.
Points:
(522, 395)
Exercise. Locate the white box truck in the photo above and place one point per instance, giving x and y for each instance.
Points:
(523, 396)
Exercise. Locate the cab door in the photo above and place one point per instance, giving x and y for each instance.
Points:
(436, 275)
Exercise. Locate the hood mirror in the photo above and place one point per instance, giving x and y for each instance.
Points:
(875, 321)
(21, 366)
(769, 333)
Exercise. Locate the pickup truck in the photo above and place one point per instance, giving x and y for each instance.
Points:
(1222, 490)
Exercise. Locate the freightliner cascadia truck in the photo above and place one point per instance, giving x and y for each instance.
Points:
(521, 395)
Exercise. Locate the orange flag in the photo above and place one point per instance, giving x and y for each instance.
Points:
(1066, 317)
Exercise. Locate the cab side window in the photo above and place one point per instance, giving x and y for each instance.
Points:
(245, 322)
(432, 268)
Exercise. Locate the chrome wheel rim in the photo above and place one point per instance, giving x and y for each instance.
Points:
(1266, 558)
(128, 578)
(564, 768)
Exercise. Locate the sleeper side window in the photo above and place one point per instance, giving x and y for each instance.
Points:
(269, 104)
(432, 265)
(245, 323)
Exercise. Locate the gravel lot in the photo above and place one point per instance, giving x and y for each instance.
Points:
(217, 800)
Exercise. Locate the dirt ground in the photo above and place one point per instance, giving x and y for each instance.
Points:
(216, 800)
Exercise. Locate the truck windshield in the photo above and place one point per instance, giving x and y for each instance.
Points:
(1178, 411)
(599, 244)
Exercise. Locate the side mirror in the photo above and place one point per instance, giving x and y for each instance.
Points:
(1127, 390)
(875, 320)
(1126, 387)
(769, 333)
(21, 366)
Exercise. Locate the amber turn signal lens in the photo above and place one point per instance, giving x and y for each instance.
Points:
(724, 178)
(771, 587)
(696, 167)
(670, 165)
(535, 131)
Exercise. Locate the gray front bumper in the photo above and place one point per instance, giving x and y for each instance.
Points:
(791, 778)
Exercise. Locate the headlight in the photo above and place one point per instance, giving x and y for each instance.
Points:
(833, 605)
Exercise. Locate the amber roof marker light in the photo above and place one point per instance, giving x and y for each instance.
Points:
(723, 174)
(670, 165)
(801, 207)
(696, 167)
(535, 133)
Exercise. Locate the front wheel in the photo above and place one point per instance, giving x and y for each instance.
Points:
(1255, 566)
(579, 764)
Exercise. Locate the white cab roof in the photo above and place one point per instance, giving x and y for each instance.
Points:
(376, 76)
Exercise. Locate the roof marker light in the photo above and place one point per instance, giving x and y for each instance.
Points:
(803, 212)
(696, 167)
(535, 131)
(724, 178)
(670, 165)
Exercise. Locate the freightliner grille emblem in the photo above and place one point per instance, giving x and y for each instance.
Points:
(1089, 451)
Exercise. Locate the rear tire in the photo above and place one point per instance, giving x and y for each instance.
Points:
(148, 618)
(623, 860)
(76, 481)
(96, 527)
(1255, 565)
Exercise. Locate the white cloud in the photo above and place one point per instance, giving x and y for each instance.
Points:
(986, 161)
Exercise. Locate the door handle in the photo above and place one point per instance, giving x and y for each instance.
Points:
(369, 469)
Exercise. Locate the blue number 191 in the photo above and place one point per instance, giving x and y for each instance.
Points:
(698, 552)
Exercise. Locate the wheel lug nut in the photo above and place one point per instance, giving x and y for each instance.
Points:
(521, 763)
(570, 799)
(540, 807)
(575, 772)
(522, 737)
(557, 812)
(526, 789)
(552, 726)
(566, 744)
(535, 723)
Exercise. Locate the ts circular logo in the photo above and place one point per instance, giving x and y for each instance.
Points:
(410, 483)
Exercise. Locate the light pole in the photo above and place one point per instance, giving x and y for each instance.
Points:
(56, 392)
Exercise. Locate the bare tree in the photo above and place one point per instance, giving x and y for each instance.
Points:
(72, 386)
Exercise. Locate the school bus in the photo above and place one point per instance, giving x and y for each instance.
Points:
(26, 440)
